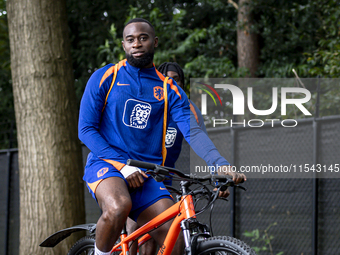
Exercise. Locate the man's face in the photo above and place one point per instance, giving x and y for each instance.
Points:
(176, 77)
(139, 42)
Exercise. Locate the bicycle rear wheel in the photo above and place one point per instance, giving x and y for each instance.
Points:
(84, 246)
(223, 245)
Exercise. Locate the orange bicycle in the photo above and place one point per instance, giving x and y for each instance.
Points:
(197, 237)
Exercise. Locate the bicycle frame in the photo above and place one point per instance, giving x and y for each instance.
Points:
(184, 209)
(196, 235)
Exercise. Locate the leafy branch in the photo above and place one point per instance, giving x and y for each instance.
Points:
(263, 238)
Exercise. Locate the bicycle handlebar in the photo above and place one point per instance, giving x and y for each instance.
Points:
(222, 182)
(141, 164)
(166, 170)
(157, 168)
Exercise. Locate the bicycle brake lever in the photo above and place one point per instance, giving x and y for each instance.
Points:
(159, 178)
(241, 187)
(161, 171)
(149, 172)
(229, 183)
(223, 198)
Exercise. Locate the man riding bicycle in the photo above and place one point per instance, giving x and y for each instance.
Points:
(123, 115)
(173, 146)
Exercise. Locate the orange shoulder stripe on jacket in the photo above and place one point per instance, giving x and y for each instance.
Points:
(106, 74)
(172, 86)
(110, 71)
(121, 63)
(160, 75)
(194, 112)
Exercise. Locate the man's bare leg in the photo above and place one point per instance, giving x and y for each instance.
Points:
(160, 233)
(114, 200)
(148, 248)
(130, 227)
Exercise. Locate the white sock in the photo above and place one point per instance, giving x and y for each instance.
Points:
(98, 252)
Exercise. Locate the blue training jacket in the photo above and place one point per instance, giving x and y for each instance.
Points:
(125, 120)
(175, 137)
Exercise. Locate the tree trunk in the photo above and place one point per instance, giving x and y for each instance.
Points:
(247, 41)
(50, 163)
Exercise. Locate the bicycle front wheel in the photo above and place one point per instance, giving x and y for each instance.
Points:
(223, 245)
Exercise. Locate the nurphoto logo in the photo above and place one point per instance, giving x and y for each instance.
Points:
(249, 102)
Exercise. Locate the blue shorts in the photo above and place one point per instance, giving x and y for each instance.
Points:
(168, 182)
(141, 198)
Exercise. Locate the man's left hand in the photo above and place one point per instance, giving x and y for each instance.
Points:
(224, 194)
(227, 170)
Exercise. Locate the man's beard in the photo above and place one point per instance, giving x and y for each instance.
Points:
(140, 62)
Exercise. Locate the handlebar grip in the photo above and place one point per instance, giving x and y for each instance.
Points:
(223, 188)
(141, 164)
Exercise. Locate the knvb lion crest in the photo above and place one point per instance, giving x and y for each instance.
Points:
(136, 113)
(140, 115)
(158, 93)
(170, 138)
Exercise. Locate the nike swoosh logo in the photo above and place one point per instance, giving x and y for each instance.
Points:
(122, 84)
(162, 188)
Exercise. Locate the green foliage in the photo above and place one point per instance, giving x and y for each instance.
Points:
(201, 36)
(262, 239)
(325, 60)
(90, 23)
(7, 117)
(203, 49)
(287, 30)
(112, 50)
(303, 35)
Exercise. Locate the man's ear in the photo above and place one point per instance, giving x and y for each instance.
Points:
(123, 45)
(156, 41)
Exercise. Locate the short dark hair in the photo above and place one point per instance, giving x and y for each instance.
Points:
(171, 66)
(135, 20)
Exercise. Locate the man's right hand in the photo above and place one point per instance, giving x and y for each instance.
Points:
(134, 176)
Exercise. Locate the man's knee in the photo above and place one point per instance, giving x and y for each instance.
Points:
(114, 199)
(116, 210)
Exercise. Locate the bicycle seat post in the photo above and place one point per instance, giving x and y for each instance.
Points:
(124, 232)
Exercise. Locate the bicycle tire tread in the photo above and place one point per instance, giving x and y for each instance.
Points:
(80, 243)
(246, 250)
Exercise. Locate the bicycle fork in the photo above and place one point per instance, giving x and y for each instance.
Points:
(186, 236)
